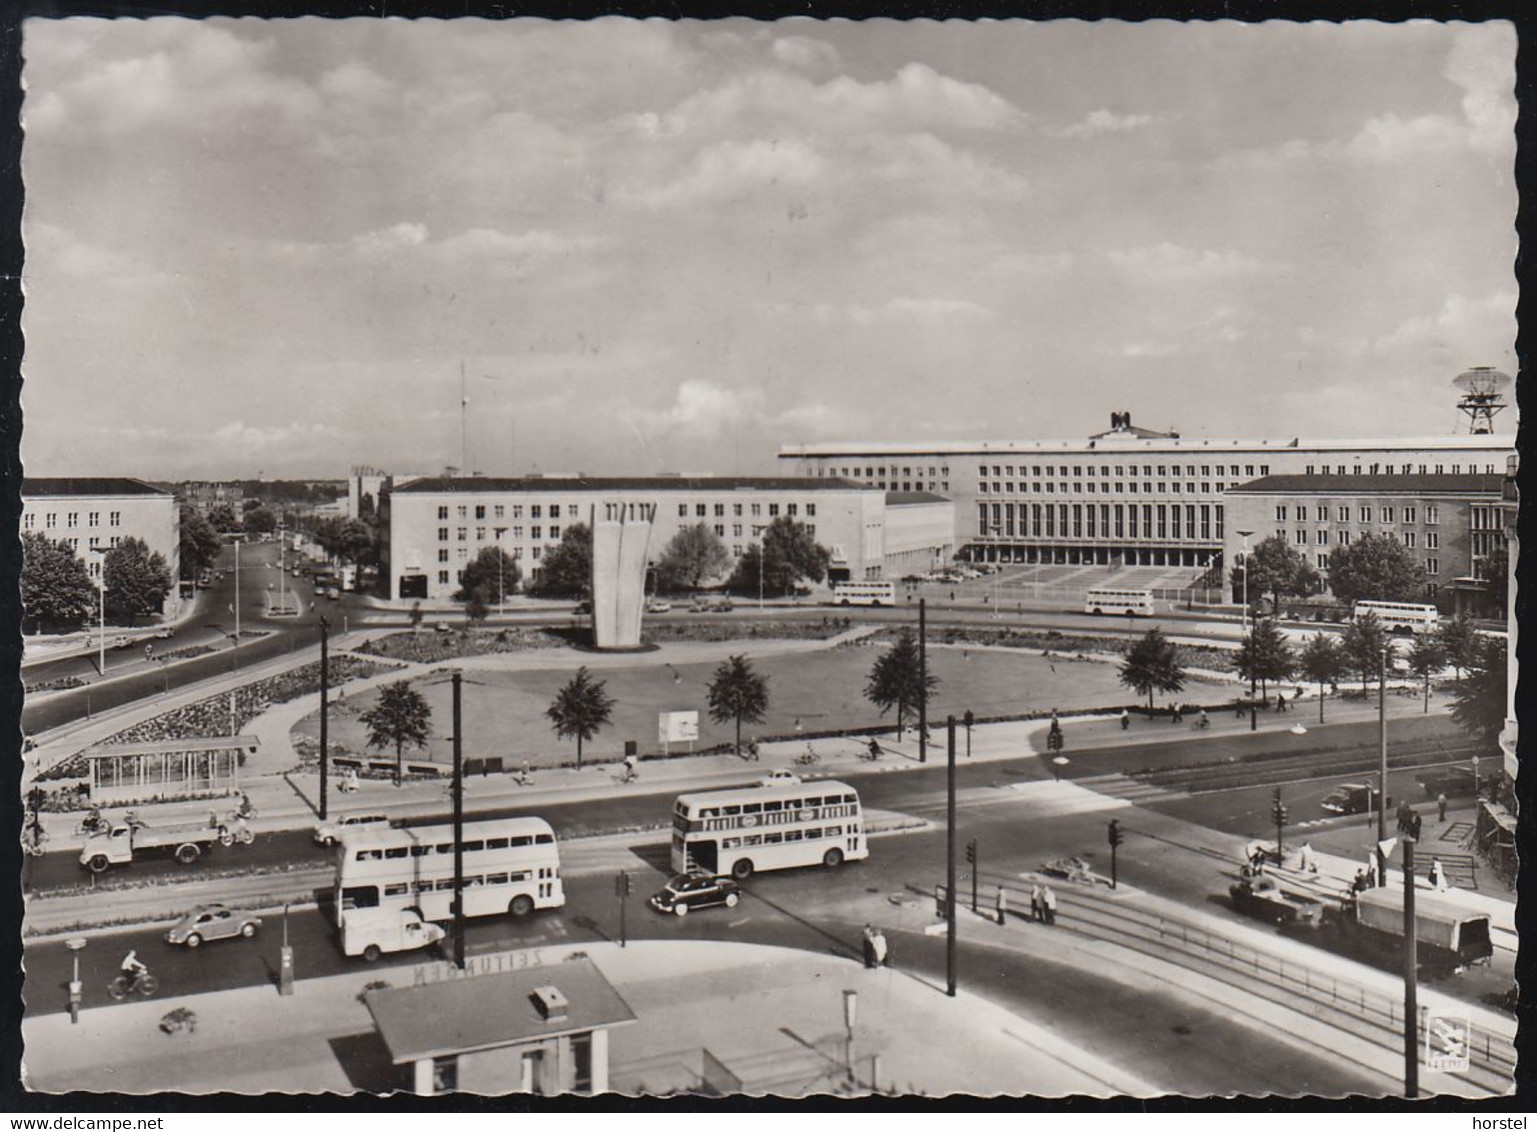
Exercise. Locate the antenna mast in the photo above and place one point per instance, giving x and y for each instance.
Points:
(463, 411)
(1483, 396)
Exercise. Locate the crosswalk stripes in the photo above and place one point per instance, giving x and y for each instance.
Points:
(1124, 786)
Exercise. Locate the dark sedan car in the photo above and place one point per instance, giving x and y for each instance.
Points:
(696, 890)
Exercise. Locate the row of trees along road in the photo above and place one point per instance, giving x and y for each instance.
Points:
(1374, 568)
(58, 593)
(1264, 655)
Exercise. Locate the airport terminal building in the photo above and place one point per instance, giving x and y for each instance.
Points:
(434, 526)
(1126, 497)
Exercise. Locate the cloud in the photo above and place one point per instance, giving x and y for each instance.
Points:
(52, 250)
(1173, 263)
(1462, 332)
(733, 169)
(704, 408)
(237, 438)
(1149, 349)
(1105, 122)
(804, 52)
(1480, 62)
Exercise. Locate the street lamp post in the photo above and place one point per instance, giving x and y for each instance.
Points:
(101, 590)
(237, 539)
(1245, 536)
(1382, 769)
(76, 944)
(501, 585)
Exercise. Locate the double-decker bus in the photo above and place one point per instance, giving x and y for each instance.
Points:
(1399, 616)
(511, 865)
(1109, 600)
(745, 830)
(865, 593)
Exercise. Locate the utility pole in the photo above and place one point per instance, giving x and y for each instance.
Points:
(923, 693)
(458, 826)
(1382, 769)
(325, 695)
(1411, 980)
(949, 858)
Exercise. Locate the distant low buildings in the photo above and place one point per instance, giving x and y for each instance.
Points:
(203, 496)
(433, 527)
(96, 513)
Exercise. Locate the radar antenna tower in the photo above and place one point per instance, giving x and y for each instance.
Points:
(1483, 396)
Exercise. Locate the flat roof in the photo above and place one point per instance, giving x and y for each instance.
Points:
(909, 498)
(481, 1012)
(32, 487)
(1466, 484)
(465, 485)
(175, 746)
(1482, 442)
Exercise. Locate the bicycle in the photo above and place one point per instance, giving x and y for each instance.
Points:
(1201, 725)
(627, 776)
(123, 986)
(810, 758)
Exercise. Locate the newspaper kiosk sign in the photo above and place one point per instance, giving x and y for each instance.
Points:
(677, 727)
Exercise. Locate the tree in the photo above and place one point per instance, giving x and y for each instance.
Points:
(1494, 568)
(787, 554)
(355, 543)
(1375, 568)
(580, 710)
(250, 503)
(896, 679)
(1277, 569)
(223, 519)
(476, 607)
(1426, 658)
(1264, 655)
(137, 579)
(400, 716)
(56, 588)
(1459, 643)
(1479, 702)
(1323, 662)
(1363, 643)
(567, 569)
(200, 543)
(691, 556)
(493, 572)
(737, 693)
(1152, 664)
(260, 521)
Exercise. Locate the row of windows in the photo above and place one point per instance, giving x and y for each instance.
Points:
(1364, 513)
(853, 473)
(787, 835)
(446, 884)
(701, 510)
(499, 511)
(490, 843)
(536, 533)
(1408, 538)
(1147, 487)
(71, 520)
(1394, 469)
(1104, 520)
(1175, 471)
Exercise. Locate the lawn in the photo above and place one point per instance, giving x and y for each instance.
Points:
(824, 691)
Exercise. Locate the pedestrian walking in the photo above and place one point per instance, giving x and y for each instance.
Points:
(882, 956)
(1239, 708)
(1175, 713)
(1280, 703)
(1441, 806)
(1035, 903)
(1415, 825)
(1305, 859)
(867, 938)
(1437, 874)
(1003, 905)
(1049, 905)
(1125, 719)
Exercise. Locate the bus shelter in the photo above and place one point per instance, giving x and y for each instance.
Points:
(181, 768)
(541, 1030)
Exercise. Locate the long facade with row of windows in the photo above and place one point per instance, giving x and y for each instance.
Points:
(436, 526)
(91, 515)
(1129, 496)
(1451, 524)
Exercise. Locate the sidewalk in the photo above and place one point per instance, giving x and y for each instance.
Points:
(726, 998)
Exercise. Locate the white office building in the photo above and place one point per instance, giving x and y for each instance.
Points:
(91, 514)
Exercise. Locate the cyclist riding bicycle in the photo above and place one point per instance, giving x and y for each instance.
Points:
(133, 967)
(875, 749)
(629, 768)
(1203, 722)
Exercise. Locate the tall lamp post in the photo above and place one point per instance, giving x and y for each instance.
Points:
(1245, 536)
(101, 590)
(501, 585)
(236, 538)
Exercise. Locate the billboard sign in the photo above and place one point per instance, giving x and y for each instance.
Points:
(677, 726)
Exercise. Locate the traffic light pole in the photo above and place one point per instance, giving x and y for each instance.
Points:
(1115, 841)
(622, 890)
(1411, 980)
(949, 859)
(458, 829)
(923, 684)
(1278, 815)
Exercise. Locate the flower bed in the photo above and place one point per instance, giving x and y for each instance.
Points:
(431, 647)
(1050, 642)
(657, 631)
(228, 711)
(58, 685)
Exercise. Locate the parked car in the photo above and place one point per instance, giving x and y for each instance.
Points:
(696, 890)
(330, 832)
(212, 921)
(655, 606)
(1351, 798)
(1453, 781)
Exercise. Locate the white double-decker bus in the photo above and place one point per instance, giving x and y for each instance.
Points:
(511, 865)
(756, 828)
(865, 593)
(1399, 616)
(1109, 600)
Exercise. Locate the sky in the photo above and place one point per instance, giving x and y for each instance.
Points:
(272, 247)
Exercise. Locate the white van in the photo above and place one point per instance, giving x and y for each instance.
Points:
(330, 832)
(372, 932)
